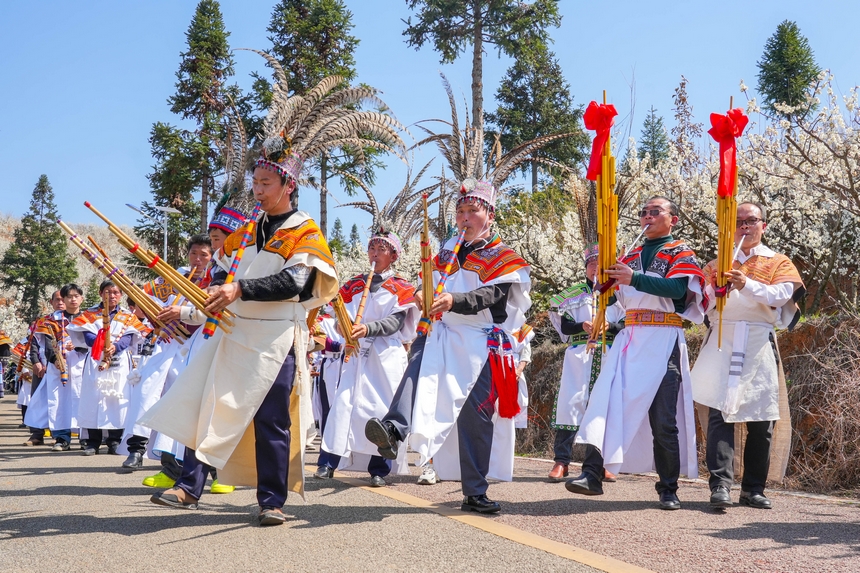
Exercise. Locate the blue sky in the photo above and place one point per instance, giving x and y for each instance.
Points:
(82, 82)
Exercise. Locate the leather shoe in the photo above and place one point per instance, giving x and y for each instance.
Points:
(134, 461)
(756, 500)
(271, 516)
(558, 472)
(480, 503)
(89, 452)
(669, 500)
(112, 449)
(609, 477)
(324, 472)
(377, 481)
(383, 436)
(584, 485)
(720, 497)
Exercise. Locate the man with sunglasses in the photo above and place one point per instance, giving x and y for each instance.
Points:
(740, 379)
(640, 415)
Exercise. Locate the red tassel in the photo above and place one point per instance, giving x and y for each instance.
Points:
(504, 385)
(98, 345)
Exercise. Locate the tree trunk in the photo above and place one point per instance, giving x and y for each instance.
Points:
(534, 177)
(204, 202)
(323, 195)
(477, 69)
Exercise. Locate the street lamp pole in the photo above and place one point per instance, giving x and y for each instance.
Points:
(165, 211)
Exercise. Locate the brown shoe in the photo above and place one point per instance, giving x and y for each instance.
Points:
(609, 477)
(34, 442)
(558, 472)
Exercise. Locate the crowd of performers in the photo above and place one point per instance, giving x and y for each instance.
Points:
(383, 371)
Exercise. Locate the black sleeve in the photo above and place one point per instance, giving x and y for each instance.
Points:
(475, 301)
(219, 275)
(570, 327)
(34, 350)
(386, 326)
(50, 355)
(281, 286)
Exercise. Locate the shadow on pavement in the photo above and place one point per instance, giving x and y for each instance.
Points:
(790, 534)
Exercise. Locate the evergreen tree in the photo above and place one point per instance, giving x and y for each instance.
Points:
(654, 141)
(534, 100)
(38, 259)
(354, 238)
(686, 131)
(786, 69)
(451, 26)
(173, 181)
(312, 40)
(337, 241)
(201, 94)
(91, 292)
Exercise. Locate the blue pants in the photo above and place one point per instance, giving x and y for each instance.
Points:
(325, 458)
(62, 436)
(272, 432)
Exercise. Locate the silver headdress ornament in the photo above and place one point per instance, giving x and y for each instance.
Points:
(298, 128)
(463, 150)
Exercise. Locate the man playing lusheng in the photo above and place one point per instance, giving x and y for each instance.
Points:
(368, 381)
(640, 416)
(237, 405)
(572, 314)
(743, 382)
(446, 400)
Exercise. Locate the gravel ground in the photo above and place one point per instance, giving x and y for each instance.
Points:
(64, 512)
(801, 533)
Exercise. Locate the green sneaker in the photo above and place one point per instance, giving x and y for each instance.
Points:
(220, 487)
(159, 480)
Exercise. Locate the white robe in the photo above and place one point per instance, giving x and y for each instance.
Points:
(573, 389)
(749, 318)
(616, 419)
(445, 382)
(104, 393)
(212, 405)
(368, 382)
(62, 401)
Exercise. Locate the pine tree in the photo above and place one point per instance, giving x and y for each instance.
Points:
(686, 131)
(201, 94)
(173, 181)
(38, 259)
(91, 292)
(654, 141)
(451, 26)
(786, 69)
(534, 100)
(312, 40)
(337, 242)
(354, 238)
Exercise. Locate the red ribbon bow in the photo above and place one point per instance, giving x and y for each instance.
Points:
(598, 118)
(726, 129)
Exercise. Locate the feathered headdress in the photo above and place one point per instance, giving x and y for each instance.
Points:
(298, 128)
(585, 199)
(463, 150)
(401, 214)
(236, 197)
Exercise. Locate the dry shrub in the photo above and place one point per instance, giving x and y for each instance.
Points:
(822, 364)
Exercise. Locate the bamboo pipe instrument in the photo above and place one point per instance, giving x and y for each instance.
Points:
(126, 285)
(194, 294)
(359, 314)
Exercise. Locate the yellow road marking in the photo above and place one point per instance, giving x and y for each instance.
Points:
(564, 550)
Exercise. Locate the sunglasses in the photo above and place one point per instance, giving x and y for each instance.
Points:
(748, 222)
(652, 212)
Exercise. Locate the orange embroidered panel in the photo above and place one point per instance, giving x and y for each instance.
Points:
(234, 239)
(351, 288)
(522, 333)
(305, 238)
(401, 288)
(490, 262)
(766, 270)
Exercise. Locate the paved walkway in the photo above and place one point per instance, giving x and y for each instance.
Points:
(65, 512)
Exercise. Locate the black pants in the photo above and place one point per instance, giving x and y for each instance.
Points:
(272, 431)
(662, 416)
(94, 438)
(137, 444)
(474, 423)
(325, 458)
(562, 446)
(720, 453)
